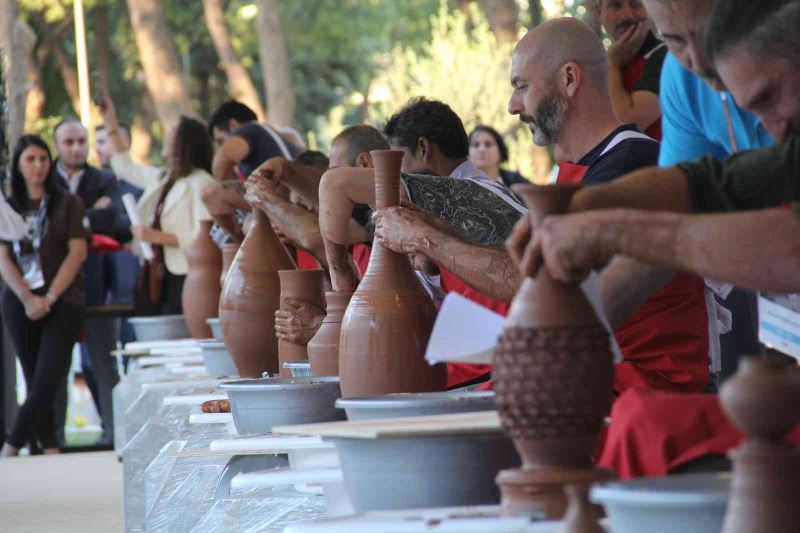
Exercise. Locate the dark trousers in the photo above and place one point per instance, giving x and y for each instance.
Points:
(170, 303)
(742, 340)
(44, 348)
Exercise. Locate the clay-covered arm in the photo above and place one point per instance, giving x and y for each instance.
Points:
(221, 199)
(739, 248)
(488, 270)
(299, 225)
(300, 178)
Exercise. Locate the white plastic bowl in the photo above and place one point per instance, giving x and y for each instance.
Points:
(299, 369)
(217, 359)
(416, 404)
(216, 329)
(159, 328)
(259, 404)
(691, 502)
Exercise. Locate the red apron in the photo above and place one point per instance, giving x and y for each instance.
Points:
(631, 74)
(361, 253)
(306, 261)
(664, 344)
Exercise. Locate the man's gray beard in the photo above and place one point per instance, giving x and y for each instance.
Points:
(548, 119)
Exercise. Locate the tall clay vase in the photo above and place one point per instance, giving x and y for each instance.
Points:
(228, 253)
(763, 399)
(305, 286)
(200, 296)
(386, 327)
(323, 348)
(553, 377)
(250, 297)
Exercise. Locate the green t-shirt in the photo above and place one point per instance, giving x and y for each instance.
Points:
(755, 179)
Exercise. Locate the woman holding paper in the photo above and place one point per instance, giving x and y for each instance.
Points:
(170, 209)
(43, 298)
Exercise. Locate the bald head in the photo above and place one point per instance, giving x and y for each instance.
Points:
(551, 45)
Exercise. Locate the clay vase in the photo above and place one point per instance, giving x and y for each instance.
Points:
(228, 253)
(582, 515)
(553, 376)
(763, 400)
(250, 297)
(386, 327)
(323, 348)
(306, 286)
(200, 296)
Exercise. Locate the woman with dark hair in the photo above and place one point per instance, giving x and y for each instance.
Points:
(170, 208)
(43, 298)
(488, 152)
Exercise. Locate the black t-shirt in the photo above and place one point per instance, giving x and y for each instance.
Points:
(261, 139)
(654, 52)
(627, 156)
(67, 221)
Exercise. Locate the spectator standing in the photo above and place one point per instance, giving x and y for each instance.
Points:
(170, 208)
(43, 300)
(634, 64)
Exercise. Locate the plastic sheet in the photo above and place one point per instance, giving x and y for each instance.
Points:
(259, 515)
(125, 394)
(187, 493)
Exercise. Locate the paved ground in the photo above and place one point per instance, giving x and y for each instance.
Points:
(76, 492)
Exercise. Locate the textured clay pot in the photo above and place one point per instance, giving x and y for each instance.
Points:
(762, 399)
(228, 253)
(323, 348)
(386, 327)
(200, 296)
(250, 297)
(553, 377)
(305, 286)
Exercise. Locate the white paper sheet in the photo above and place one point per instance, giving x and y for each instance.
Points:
(129, 202)
(466, 332)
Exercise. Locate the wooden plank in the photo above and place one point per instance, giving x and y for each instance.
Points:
(422, 426)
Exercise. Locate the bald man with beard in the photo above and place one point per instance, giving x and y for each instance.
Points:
(560, 90)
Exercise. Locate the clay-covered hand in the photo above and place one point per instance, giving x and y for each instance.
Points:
(274, 169)
(570, 246)
(259, 188)
(624, 49)
(402, 230)
(299, 322)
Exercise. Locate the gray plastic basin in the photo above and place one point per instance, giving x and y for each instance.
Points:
(299, 369)
(259, 404)
(216, 329)
(159, 328)
(416, 404)
(420, 472)
(690, 502)
(217, 359)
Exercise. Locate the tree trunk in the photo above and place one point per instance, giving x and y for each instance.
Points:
(241, 85)
(70, 76)
(17, 41)
(275, 65)
(102, 44)
(141, 138)
(503, 16)
(160, 61)
(536, 13)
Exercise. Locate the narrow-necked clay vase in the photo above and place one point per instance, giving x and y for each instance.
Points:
(250, 297)
(386, 327)
(323, 348)
(553, 377)
(763, 400)
(200, 296)
(305, 286)
(228, 253)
